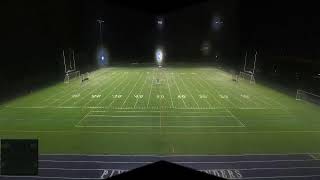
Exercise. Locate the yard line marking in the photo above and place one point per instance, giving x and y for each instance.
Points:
(234, 117)
(151, 88)
(132, 89)
(82, 90)
(178, 90)
(210, 105)
(122, 89)
(78, 86)
(189, 91)
(79, 122)
(172, 105)
(108, 94)
(135, 104)
(107, 87)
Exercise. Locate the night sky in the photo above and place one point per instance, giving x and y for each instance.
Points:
(35, 32)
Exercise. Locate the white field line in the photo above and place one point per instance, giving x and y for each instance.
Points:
(108, 94)
(80, 90)
(106, 81)
(150, 88)
(234, 117)
(124, 102)
(132, 116)
(170, 132)
(177, 162)
(135, 104)
(227, 89)
(207, 90)
(172, 105)
(187, 155)
(79, 122)
(98, 83)
(218, 92)
(104, 89)
(115, 126)
(284, 107)
(178, 89)
(121, 91)
(188, 91)
(70, 92)
(196, 88)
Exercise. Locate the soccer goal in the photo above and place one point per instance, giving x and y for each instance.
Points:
(307, 96)
(73, 75)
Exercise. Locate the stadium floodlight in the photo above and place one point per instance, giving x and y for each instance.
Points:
(159, 56)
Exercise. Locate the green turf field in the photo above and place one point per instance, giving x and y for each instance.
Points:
(160, 111)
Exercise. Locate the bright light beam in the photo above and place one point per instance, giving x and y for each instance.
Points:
(159, 56)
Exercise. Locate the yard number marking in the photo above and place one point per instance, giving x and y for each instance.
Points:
(95, 95)
(181, 96)
(160, 96)
(245, 96)
(138, 96)
(75, 95)
(117, 96)
(203, 96)
(223, 96)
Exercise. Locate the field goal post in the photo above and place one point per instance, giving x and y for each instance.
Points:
(307, 96)
(71, 73)
(249, 74)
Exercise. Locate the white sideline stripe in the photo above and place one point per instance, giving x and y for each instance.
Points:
(102, 115)
(127, 132)
(102, 107)
(179, 155)
(277, 177)
(177, 162)
(89, 126)
(45, 177)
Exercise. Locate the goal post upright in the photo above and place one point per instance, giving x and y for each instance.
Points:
(64, 61)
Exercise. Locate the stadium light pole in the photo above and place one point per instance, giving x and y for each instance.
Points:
(100, 29)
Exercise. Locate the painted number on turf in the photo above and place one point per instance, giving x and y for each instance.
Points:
(203, 96)
(224, 96)
(181, 96)
(245, 96)
(116, 96)
(75, 95)
(160, 96)
(138, 96)
(95, 96)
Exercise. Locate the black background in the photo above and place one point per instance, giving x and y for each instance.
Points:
(286, 35)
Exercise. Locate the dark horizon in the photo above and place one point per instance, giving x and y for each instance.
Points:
(35, 32)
